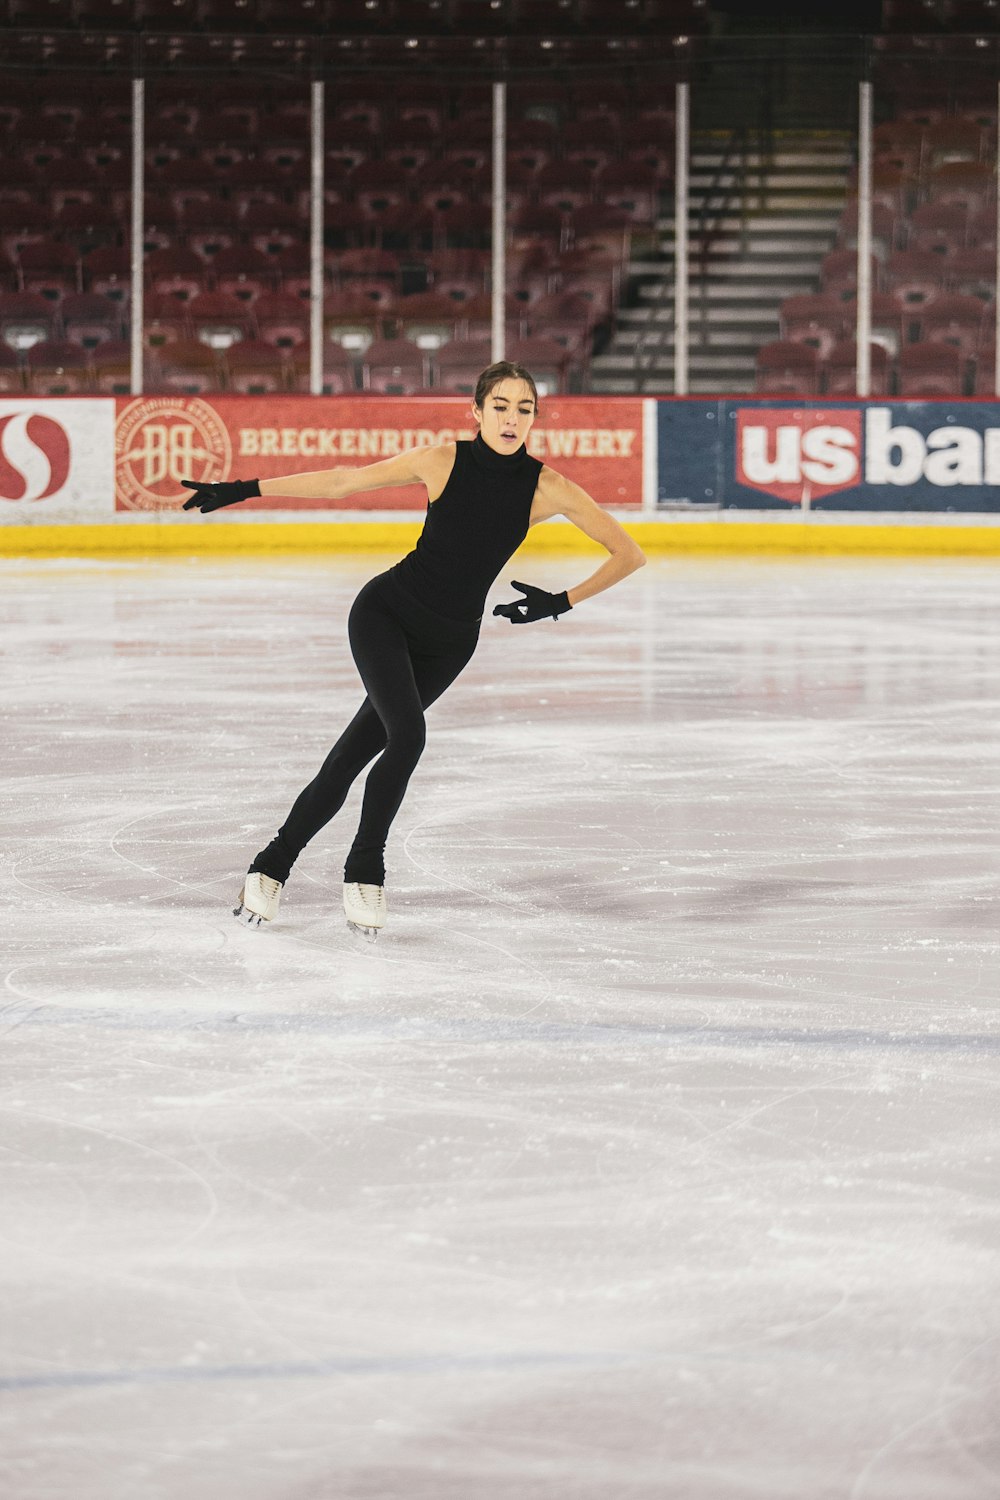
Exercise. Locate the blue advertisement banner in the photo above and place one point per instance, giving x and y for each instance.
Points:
(832, 455)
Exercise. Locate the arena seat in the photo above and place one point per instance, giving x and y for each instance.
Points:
(165, 319)
(786, 368)
(350, 322)
(90, 319)
(176, 273)
(838, 274)
(254, 368)
(243, 272)
(188, 366)
(108, 270)
(394, 367)
(56, 367)
(457, 366)
(26, 319)
(957, 320)
(938, 227)
(427, 319)
(339, 375)
(208, 228)
(546, 359)
(926, 369)
(21, 224)
(49, 269)
(282, 320)
(840, 370)
(914, 277)
(817, 320)
(973, 272)
(564, 318)
(218, 320)
(969, 183)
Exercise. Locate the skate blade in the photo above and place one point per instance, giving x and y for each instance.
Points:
(368, 933)
(246, 917)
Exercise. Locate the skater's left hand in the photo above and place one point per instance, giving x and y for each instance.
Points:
(537, 605)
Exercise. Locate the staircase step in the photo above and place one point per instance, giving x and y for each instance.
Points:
(838, 160)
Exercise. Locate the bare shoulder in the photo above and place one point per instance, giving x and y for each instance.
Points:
(433, 466)
(555, 495)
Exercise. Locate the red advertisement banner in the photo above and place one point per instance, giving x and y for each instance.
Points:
(161, 440)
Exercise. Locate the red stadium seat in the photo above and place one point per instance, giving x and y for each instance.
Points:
(90, 319)
(165, 319)
(189, 366)
(973, 272)
(25, 319)
(394, 367)
(841, 370)
(817, 320)
(887, 228)
(633, 188)
(969, 183)
(938, 227)
(931, 370)
(952, 141)
(208, 228)
(546, 359)
(243, 272)
(282, 320)
(426, 319)
(49, 269)
(957, 320)
(349, 322)
(108, 270)
(218, 320)
(57, 368)
(458, 365)
(338, 371)
(838, 274)
(565, 319)
(274, 227)
(785, 368)
(254, 368)
(176, 273)
(914, 277)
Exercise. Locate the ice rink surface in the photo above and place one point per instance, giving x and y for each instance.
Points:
(654, 1151)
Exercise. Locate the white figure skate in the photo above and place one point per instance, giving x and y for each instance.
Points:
(365, 908)
(258, 900)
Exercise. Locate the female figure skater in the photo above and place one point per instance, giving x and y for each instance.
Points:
(415, 627)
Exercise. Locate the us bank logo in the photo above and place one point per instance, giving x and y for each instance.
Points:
(800, 455)
(35, 456)
(160, 442)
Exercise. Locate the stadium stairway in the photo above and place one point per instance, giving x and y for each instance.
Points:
(760, 222)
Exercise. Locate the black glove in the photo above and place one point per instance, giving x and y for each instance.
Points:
(539, 605)
(214, 496)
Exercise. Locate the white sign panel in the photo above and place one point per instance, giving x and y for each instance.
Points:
(57, 460)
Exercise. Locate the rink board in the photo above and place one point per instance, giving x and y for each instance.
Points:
(84, 476)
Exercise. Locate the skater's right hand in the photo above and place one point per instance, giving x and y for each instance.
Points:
(208, 497)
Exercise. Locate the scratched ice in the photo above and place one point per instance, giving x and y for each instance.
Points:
(653, 1154)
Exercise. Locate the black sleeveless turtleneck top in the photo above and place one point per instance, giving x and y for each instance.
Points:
(477, 523)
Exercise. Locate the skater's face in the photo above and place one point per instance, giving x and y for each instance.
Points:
(506, 416)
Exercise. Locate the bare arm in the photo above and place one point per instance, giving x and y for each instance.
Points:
(561, 497)
(416, 466)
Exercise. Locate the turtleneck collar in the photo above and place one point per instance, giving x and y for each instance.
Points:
(496, 463)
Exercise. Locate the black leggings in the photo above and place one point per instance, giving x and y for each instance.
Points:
(407, 655)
